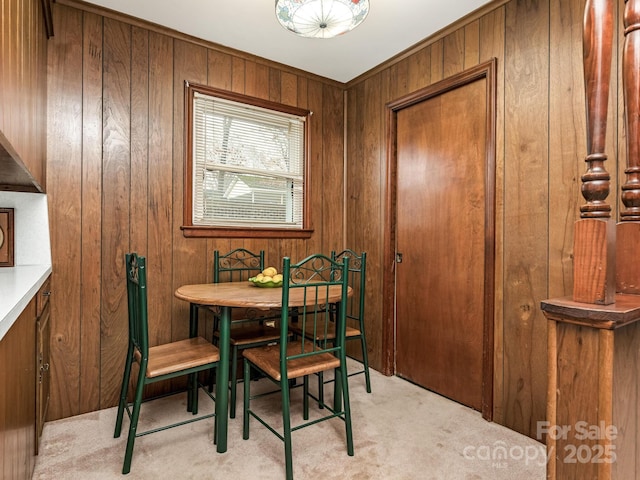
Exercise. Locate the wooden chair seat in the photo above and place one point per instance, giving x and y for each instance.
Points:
(267, 359)
(331, 330)
(181, 355)
(252, 334)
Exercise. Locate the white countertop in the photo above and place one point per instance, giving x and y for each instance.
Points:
(18, 285)
(32, 252)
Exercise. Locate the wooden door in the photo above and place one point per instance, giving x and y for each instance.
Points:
(444, 232)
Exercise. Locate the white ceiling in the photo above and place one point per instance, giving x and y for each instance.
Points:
(251, 26)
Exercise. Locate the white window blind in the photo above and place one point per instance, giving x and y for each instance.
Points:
(248, 165)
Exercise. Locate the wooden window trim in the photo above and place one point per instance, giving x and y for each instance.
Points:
(191, 230)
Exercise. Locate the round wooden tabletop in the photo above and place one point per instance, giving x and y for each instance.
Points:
(246, 294)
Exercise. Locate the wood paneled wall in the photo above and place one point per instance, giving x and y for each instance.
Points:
(541, 145)
(115, 178)
(116, 148)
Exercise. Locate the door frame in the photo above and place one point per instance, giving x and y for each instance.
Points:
(488, 71)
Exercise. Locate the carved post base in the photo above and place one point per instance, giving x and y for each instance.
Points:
(627, 258)
(594, 261)
(593, 405)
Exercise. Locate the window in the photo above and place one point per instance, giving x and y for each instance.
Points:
(246, 166)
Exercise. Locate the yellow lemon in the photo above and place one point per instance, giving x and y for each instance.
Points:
(269, 271)
(259, 276)
(266, 278)
(277, 278)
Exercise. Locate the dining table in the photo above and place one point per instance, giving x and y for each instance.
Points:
(227, 296)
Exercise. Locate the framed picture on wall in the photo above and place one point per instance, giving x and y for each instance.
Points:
(6, 237)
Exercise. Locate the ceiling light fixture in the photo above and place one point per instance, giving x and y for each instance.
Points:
(321, 18)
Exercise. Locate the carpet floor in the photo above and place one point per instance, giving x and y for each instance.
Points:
(400, 431)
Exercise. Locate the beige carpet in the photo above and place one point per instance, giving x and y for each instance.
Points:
(400, 431)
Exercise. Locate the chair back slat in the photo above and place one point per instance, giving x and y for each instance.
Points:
(137, 300)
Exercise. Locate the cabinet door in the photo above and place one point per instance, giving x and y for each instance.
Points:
(43, 372)
(18, 397)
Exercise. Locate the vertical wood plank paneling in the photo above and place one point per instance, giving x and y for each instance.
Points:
(116, 172)
(139, 178)
(471, 44)
(454, 53)
(91, 212)
(297, 247)
(251, 86)
(567, 140)
(275, 85)
(419, 74)
(437, 61)
(332, 193)
(314, 98)
(139, 140)
(526, 212)
(238, 75)
(371, 206)
(402, 75)
(190, 63)
(259, 85)
(64, 194)
(357, 121)
(160, 184)
(492, 30)
(219, 69)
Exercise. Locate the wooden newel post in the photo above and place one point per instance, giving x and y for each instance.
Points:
(594, 237)
(628, 230)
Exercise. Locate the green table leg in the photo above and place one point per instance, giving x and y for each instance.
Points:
(222, 380)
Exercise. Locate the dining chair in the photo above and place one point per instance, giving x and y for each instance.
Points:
(248, 325)
(156, 363)
(355, 329)
(309, 279)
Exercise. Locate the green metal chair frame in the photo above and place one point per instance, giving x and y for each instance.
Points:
(303, 357)
(355, 314)
(236, 266)
(162, 362)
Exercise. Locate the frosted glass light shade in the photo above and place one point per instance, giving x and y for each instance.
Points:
(321, 18)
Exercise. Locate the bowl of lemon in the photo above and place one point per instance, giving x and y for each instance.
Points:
(268, 278)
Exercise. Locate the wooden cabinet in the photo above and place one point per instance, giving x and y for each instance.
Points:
(24, 387)
(18, 398)
(23, 94)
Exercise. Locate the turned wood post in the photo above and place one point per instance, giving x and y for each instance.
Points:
(628, 230)
(594, 239)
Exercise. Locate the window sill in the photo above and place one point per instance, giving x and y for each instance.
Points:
(191, 231)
